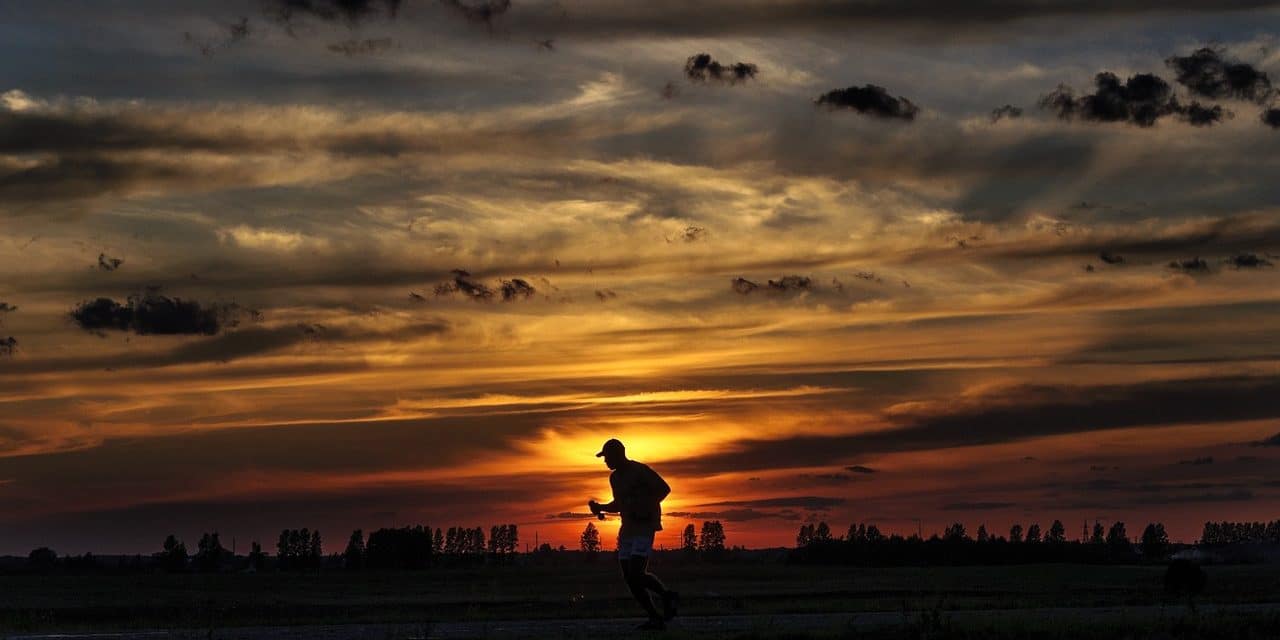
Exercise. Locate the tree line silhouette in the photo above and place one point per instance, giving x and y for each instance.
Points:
(1223, 533)
(864, 544)
(419, 547)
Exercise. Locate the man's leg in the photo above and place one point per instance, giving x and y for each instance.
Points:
(634, 572)
(640, 567)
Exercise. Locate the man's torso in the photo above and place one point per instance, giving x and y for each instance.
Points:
(633, 483)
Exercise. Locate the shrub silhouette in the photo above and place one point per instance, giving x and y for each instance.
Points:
(42, 559)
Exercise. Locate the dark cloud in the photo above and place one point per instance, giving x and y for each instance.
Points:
(1013, 415)
(1141, 100)
(573, 515)
(605, 295)
(462, 283)
(1200, 461)
(808, 503)
(1236, 495)
(858, 468)
(693, 234)
(1008, 111)
(976, 506)
(791, 283)
(231, 35)
(938, 18)
(70, 180)
(869, 100)
(482, 11)
(1210, 73)
(744, 286)
(1271, 117)
(5, 307)
(785, 284)
(1222, 235)
(1192, 265)
(516, 288)
(734, 515)
(108, 264)
(368, 46)
(244, 342)
(1111, 258)
(289, 13)
(8, 346)
(701, 67)
(152, 313)
(1273, 441)
(1202, 116)
(1248, 261)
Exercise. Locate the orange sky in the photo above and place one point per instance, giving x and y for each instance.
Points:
(943, 317)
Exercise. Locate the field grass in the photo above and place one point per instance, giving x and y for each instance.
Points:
(580, 590)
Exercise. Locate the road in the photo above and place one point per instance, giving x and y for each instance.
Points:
(710, 625)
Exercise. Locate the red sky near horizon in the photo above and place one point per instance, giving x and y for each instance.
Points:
(272, 269)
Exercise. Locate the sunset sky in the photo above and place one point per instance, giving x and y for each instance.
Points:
(883, 270)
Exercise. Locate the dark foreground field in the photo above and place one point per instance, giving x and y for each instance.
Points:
(1045, 601)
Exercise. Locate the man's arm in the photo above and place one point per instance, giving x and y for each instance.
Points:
(659, 487)
(613, 506)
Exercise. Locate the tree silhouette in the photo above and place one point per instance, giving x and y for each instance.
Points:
(437, 543)
(822, 533)
(590, 540)
(209, 552)
(1015, 533)
(1118, 539)
(400, 548)
(512, 539)
(1155, 541)
(257, 559)
(353, 557)
(805, 536)
(503, 539)
(1057, 533)
(1033, 534)
(174, 555)
(955, 533)
(496, 535)
(711, 540)
(1099, 534)
(982, 533)
(42, 559)
(689, 539)
(315, 550)
(299, 549)
(873, 534)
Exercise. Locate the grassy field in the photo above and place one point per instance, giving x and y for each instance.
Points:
(93, 602)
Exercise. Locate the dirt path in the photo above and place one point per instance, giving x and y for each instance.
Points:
(710, 625)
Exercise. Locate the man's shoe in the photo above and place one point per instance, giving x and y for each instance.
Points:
(669, 601)
(654, 624)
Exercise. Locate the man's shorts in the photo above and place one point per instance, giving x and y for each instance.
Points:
(637, 545)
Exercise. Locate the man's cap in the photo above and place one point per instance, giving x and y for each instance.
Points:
(613, 445)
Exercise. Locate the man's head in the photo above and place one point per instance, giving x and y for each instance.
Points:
(613, 452)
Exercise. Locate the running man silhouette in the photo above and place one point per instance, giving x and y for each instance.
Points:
(638, 492)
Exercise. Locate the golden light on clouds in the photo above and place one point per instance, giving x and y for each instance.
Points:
(441, 276)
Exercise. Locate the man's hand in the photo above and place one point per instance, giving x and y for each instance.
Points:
(595, 509)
